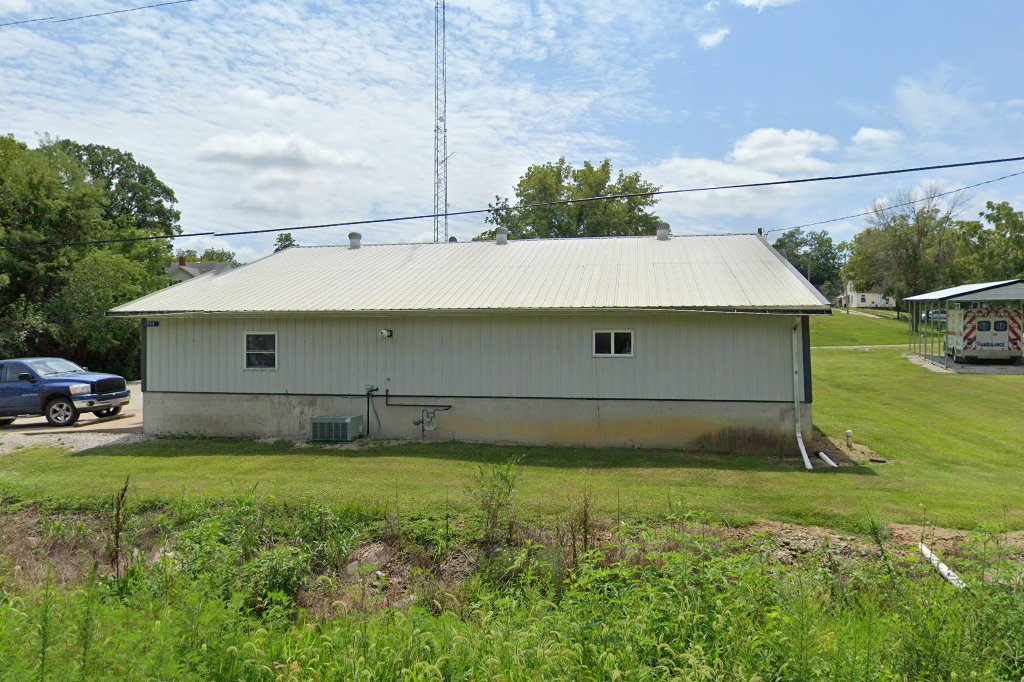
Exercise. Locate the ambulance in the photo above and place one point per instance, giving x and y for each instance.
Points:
(981, 331)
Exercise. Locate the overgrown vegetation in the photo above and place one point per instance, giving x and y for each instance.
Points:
(69, 196)
(259, 590)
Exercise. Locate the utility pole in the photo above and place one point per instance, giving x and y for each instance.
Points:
(440, 126)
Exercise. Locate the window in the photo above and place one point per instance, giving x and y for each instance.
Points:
(13, 370)
(613, 344)
(260, 350)
(863, 298)
(1000, 326)
(984, 326)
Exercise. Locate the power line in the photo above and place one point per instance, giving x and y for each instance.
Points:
(827, 178)
(900, 205)
(612, 197)
(55, 20)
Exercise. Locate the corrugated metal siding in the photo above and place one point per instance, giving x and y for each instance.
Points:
(735, 271)
(676, 356)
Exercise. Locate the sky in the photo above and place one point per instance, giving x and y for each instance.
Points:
(272, 114)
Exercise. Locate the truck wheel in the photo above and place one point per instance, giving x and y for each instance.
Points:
(61, 412)
(6, 421)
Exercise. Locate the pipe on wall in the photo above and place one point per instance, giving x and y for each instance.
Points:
(796, 396)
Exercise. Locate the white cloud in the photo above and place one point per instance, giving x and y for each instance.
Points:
(936, 103)
(713, 39)
(12, 7)
(775, 150)
(761, 5)
(265, 149)
(877, 137)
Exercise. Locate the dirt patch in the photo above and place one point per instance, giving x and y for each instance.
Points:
(62, 549)
(376, 577)
(839, 452)
(950, 542)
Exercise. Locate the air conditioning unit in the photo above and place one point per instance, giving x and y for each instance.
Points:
(337, 429)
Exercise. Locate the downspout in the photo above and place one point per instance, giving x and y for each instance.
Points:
(370, 390)
(796, 395)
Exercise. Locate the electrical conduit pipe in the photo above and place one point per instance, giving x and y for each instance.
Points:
(796, 395)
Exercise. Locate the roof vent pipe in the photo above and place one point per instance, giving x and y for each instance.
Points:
(501, 235)
(663, 232)
(354, 240)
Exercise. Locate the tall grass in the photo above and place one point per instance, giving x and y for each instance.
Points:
(657, 603)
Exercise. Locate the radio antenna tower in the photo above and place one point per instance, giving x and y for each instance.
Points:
(440, 126)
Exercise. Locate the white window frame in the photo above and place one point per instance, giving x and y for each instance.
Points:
(613, 354)
(245, 351)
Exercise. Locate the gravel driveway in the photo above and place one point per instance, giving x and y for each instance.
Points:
(69, 440)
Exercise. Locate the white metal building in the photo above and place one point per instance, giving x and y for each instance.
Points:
(690, 342)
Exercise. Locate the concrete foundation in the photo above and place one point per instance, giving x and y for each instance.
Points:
(692, 425)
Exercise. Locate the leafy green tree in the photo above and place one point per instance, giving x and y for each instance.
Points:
(907, 248)
(993, 250)
(559, 181)
(44, 198)
(816, 256)
(283, 241)
(210, 255)
(55, 200)
(98, 282)
(136, 203)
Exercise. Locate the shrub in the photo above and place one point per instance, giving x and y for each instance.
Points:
(274, 574)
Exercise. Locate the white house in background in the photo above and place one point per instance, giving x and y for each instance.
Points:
(681, 342)
(183, 270)
(872, 298)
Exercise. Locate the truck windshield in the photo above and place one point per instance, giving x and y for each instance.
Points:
(50, 366)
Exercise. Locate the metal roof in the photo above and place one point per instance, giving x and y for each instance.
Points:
(1008, 289)
(726, 272)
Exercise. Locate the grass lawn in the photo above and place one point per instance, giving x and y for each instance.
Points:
(955, 444)
(881, 312)
(842, 329)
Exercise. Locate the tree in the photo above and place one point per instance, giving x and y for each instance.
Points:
(909, 246)
(283, 241)
(136, 203)
(98, 282)
(210, 255)
(54, 201)
(559, 181)
(993, 250)
(816, 256)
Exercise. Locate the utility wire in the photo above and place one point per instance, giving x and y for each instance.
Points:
(905, 203)
(559, 202)
(55, 20)
(492, 209)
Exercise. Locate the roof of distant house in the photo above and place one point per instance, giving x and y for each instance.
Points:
(199, 268)
(721, 272)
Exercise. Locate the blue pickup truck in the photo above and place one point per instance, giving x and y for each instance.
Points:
(57, 389)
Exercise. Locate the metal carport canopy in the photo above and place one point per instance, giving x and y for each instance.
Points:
(1005, 290)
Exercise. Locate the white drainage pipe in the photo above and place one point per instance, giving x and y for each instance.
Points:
(826, 459)
(796, 394)
(944, 570)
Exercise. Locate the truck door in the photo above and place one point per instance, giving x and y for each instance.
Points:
(1000, 334)
(988, 338)
(18, 396)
